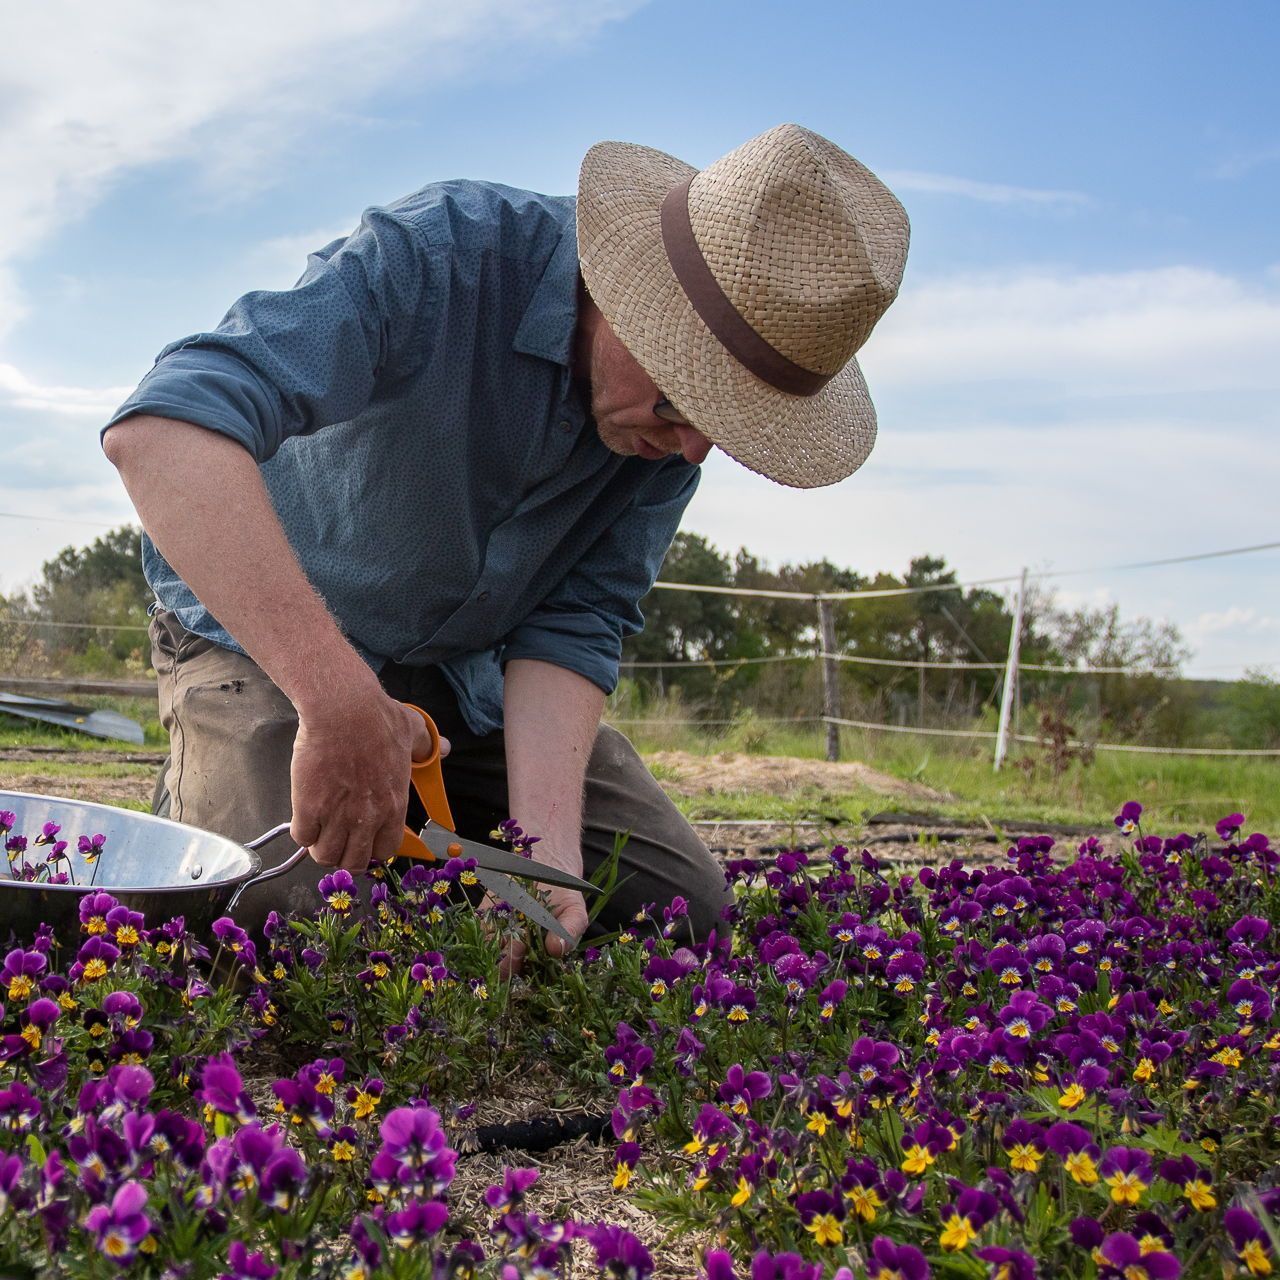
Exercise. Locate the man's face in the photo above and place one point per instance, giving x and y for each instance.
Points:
(623, 396)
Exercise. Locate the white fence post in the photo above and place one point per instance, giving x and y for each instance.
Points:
(1010, 675)
(830, 676)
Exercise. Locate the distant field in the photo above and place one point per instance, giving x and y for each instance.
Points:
(1179, 792)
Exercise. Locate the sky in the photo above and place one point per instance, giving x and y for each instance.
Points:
(1081, 369)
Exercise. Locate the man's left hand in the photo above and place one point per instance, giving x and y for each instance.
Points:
(568, 906)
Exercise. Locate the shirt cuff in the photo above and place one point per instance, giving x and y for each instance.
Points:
(209, 389)
(580, 642)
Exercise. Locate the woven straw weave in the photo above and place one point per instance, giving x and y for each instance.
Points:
(809, 247)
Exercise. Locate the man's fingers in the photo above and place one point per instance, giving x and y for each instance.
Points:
(512, 959)
(574, 918)
(358, 848)
(304, 831)
(386, 844)
(327, 848)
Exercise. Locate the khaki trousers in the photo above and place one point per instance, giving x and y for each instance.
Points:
(231, 734)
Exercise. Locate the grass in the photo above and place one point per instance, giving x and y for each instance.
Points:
(1182, 791)
(809, 804)
(1188, 791)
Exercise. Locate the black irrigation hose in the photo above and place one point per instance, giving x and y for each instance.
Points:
(537, 1134)
(917, 837)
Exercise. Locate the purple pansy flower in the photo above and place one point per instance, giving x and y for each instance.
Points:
(119, 1229)
(1121, 1257)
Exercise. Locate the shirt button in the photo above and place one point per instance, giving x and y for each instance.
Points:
(566, 427)
(484, 595)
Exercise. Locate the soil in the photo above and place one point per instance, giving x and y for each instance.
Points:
(686, 774)
(133, 788)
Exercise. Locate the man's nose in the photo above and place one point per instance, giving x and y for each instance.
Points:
(693, 444)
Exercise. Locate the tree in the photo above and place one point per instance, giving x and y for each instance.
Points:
(100, 584)
(1254, 704)
(109, 561)
(1152, 705)
(690, 626)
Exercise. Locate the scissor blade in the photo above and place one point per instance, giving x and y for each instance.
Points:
(487, 855)
(505, 888)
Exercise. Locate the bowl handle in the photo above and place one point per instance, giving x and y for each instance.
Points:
(271, 872)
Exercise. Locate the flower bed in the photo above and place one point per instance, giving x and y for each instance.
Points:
(1059, 1065)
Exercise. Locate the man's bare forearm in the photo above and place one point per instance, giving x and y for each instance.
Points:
(201, 498)
(552, 716)
(203, 502)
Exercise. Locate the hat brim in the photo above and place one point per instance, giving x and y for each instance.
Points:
(801, 441)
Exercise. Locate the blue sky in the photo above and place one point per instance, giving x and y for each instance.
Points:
(1081, 368)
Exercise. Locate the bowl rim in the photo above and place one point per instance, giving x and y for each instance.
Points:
(209, 887)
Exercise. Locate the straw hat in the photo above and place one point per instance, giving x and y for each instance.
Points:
(745, 288)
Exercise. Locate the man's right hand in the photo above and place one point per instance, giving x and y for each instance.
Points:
(350, 777)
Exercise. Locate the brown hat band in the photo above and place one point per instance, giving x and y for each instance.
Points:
(725, 321)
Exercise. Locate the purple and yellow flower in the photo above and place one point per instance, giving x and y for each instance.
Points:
(243, 1265)
(1185, 1174)
(742, 1089)
(923, 1145)
(1127, 1171)
(22, 970)
(822, 1216)
(625, 1159)
(1249, 1239)
(1077, 1150)
(890, 1261)
(618, 1253)
(1121, 1257)
(222, 1090)
(963, 1220)
(1025, 1145)
(95, 959)
(1129, 817)
(1229, 827)
(120, 1228)
(90, 847)
(338, 889)
(1007, 1264)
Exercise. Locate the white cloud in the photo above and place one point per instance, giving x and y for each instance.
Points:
(12, 308)
(1237, 618)
(278, 262)
(19, 392)
(1086, 493)
(1175, 328)
(92, 92)
(986, 192)
(54, 513)
(1242, 162)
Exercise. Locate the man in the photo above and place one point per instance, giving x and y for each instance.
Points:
(446, 466)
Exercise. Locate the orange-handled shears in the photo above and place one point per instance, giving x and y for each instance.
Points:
(494, 867)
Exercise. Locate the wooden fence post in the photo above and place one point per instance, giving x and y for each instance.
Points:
(830, 675)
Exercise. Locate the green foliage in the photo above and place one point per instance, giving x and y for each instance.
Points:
(1255, 708)
(102, 584)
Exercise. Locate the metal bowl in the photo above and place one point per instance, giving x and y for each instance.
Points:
(153, 865)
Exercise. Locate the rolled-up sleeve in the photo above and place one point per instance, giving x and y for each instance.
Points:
(288, 363)
(581, 625)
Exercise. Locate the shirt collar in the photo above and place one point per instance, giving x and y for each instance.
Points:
(546, 330)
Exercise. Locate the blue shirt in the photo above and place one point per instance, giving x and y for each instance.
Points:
(411, 404)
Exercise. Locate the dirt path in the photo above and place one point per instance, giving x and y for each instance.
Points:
(681, 773)
(129, 787)
(685, 774)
